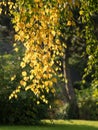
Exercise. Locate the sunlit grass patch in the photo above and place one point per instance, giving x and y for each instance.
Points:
(72, 122)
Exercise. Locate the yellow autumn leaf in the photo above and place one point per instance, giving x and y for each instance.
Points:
(69, 23)
(53, 32)
(25, 78)
(38, 102)
(0, 10)
(50, 84)
(23, 83)
(22, 64)
(17, 90)
(36, 1)
(16, 28)
(16, 49)
(12, 78)
(15, 96)
(21, 25)
(43, 96)
(24, 73)
(54, 80)
(81, 12)
(14, 45)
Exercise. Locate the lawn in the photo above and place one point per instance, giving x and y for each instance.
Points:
(58, 125)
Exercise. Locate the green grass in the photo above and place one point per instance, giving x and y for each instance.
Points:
(58, 125)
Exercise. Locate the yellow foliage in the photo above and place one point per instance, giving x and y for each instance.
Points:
(69, 23)
(24, 73)
(81, 12)
(54, 80)
(22, 64)
(37, 28)
(36, 0)
(22, 83)
(25, 78)
(0, 10)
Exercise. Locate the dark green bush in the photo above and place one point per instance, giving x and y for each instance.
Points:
(89, 110)
(23, 110)
(88, 105)
(72, 111)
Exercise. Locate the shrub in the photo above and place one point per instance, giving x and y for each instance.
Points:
(89, 110)
(24, 109)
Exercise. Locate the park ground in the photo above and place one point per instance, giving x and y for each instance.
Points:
(58, 125)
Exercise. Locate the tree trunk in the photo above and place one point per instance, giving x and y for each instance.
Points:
(69, 90)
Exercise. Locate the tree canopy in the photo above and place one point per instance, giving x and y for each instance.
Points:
(38, 26)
